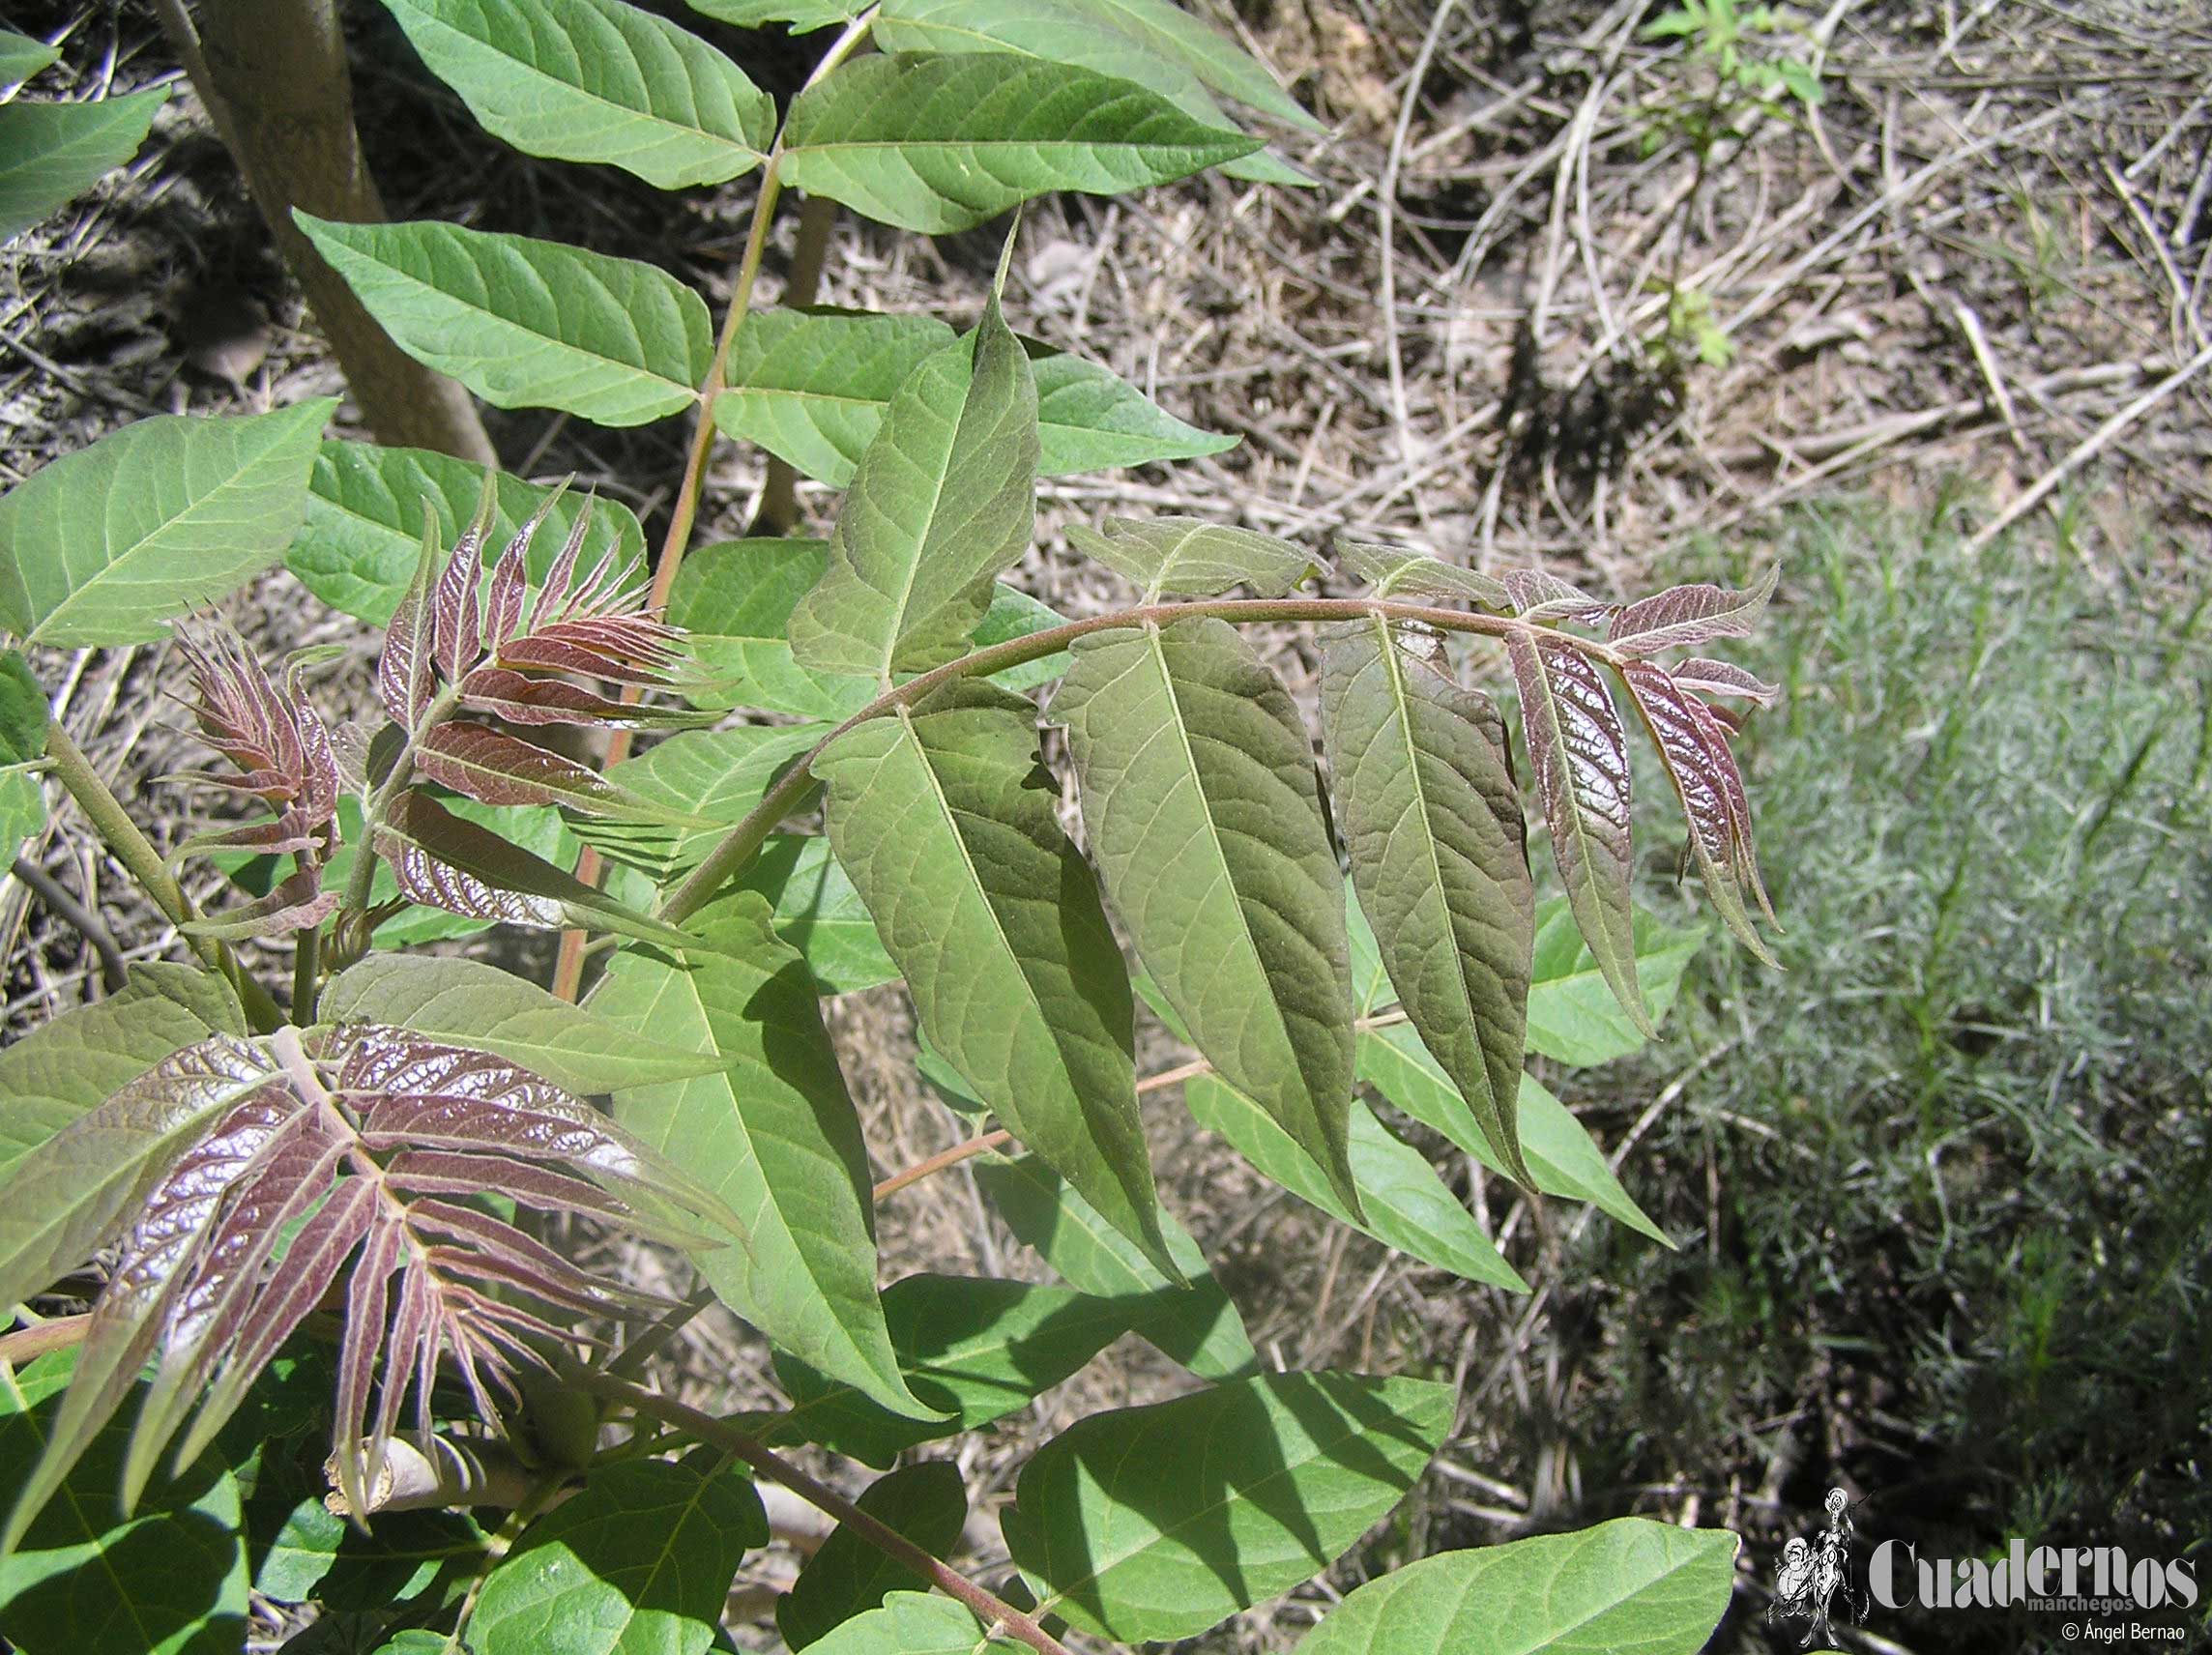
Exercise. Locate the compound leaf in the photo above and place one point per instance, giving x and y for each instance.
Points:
(639, 1563)
(943, 500)
(1578, 753)
(1196, 1325)
(1683, 617)
(848, 1578)
(50, 153)
(1161, 1521)
(595, 80)
(1203, 814)
(363, 533)
(466, 1002)
(526, 323)
(152, 521)
(1431, 819)
(1407, 1204)
(946, 820)
(772, 1134)
(939, 144)
(1630, 1584)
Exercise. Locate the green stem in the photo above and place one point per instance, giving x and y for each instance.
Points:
(994, 1611)
(742, 842)
(306, 966)
(361, 883)
(106, 812)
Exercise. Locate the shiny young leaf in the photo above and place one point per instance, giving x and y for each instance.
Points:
(444, 861)
(493, 767)
(1203, 817)
(1683, 617)
(944, 499)
(1395, 572)
(1692, 746)
(1578, 754)
(1431, 819)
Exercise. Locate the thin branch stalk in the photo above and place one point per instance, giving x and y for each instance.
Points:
(137, 852)
(994, 1611)
(743, 841)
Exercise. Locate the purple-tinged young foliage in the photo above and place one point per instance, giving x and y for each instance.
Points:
(368, 1134)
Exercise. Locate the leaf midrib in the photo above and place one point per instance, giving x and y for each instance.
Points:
(601, 99)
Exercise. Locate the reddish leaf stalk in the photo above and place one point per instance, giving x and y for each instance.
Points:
(994, 1611)
(739, 846)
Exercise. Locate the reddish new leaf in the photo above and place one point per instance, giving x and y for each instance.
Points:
(457, 613)
(1545, 597)
(495, 768)
(404, 671)
(1579, 755)
(1719, 678)
(300, 903)
(520, 699)
(1683, 617)
(1718, 840)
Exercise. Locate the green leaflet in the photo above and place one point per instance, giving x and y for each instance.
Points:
(1407, 1204)
(1561, 1156)
(811, 387)
(819, 913)
(23, 721)
(1395, 572)
(1573, 1015)
(74, 1063)
(526, 323)
(944, 499)
(977, 1348)
(1055, 30)
(736, 599)
(908, 1624)
(1161, 1521)
(50, 153)
(927, 1503)
(1192, 558)
(70, 1194)
(595, 80)
(714, 776)
(639, 1563)
(1430, 820)
(363, 533)
(938, 144)
(152, 521)
(21, 57)
(946, 820)
(1628, 1584)
(466, 1002)
(1169, 32)
(1197, 1326)
(1203, 818)
(169, 1580)
(774, 1135)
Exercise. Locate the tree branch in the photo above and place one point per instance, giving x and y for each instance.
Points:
(994, 1611)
